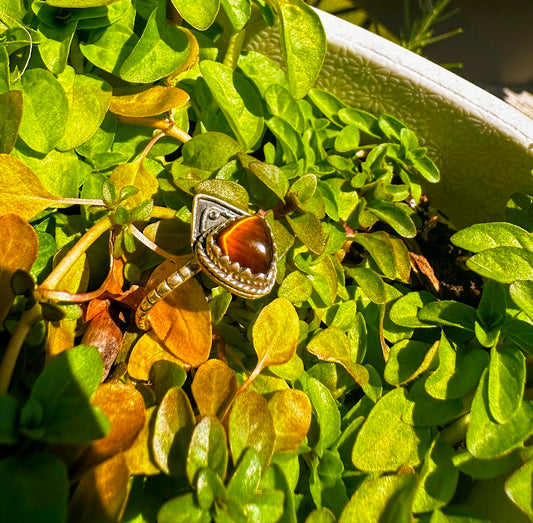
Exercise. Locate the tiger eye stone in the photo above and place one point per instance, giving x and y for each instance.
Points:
(248, 242)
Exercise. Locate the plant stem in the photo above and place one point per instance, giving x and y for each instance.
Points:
(169, 128)
(233, 52)
(62, 268)
(28, 319)
(456, 432)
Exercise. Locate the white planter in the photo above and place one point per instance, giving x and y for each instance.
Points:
(483, 146)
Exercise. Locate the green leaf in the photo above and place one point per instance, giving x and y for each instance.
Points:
(423, 410)
(11, 104)
(89, 99)
(404, 311)
(226, 190)
(366, 122)
(161, 50)
(521, 292)
(519, 488)
(199, 14)
(265, 506)
(209, 489)
(507, 376)
(55, 43)
(332, 344)
(396, 214)
(308, 229)
(485, 438)
(238, 100)
(45, 109)
(438, 479)
(209, 151)
(262, 70)
(272, 176)
(328, 104)
(385, 442)
(407, 360)
(348, 139)
(503, 264)
(370, 283)
(375, 497)
(482, 236)
(183, 509)
(303, 42)
(64, 389)
(296, 287)
(389, 254)
(9, 413)
(174, 424)
(247, 475)
(327, 413)
(109, 47)
(165, 375)
(35, 488)
(282, 104)
(251, 425)
(135, 175)
(207, 449)
(519, 210)
(450, 313)
(238, 12)
(458, 372)
(486, 468)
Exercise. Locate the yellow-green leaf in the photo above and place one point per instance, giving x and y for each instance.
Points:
(136, 174)
(148, 102)
(21, 191)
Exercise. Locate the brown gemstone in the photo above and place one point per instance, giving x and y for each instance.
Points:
(248, 242)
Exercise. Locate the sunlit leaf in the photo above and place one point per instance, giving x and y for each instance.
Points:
(137, 175)
(21, 191)
(200, 16)
(207, 449)
(385, 441)
(519, 488)
(145, 353)
(19, 252)
(275, 333)
(213, 387)
(251, 425)
(123, 406)
(182, 321)
(303, 42)
(332, 344)
(173, 428)
(11, 104)
(291, 412)
(102, 492)
(139, 456)
(407, 360)
(149, 102)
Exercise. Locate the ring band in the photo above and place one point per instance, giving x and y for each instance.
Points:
(234, 248)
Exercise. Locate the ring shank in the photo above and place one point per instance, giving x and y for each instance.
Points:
(162, 291)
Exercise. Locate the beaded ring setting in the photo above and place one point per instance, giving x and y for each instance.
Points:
(234, 248)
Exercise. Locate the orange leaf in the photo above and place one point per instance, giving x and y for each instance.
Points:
(182, 321)
(139, 456)
(291, 412)
(102, 493)
(145, 353)
(213, 387)
(149, 102)
(124, 407)
(20, 246)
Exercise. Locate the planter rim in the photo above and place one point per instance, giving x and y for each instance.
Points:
(451, 87)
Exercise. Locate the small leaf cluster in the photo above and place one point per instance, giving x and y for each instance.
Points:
(355, 391)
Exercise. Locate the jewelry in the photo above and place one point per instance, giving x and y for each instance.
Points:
(234, 248)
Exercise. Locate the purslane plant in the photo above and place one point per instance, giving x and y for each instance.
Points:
(352, 391)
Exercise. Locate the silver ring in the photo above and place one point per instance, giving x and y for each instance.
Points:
(234, 248)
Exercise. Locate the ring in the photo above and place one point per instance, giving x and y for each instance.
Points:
(234, 248)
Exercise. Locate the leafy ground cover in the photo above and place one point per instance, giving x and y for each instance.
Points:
(385, 378)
